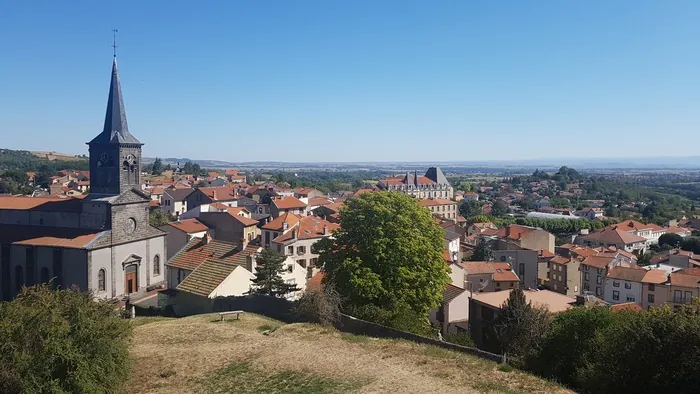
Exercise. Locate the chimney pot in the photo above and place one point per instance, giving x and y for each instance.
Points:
(325, 229)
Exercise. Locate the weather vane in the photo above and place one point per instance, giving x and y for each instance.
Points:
(114, 41)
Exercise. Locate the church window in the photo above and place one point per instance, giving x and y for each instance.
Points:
(29, 260)
(156, 265)
(101, 280)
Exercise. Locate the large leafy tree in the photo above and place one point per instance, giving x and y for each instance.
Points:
(268, 275)
(386, 257)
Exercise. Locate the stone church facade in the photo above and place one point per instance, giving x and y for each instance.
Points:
(102, 242)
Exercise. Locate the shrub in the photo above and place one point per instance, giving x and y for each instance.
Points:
(319, 306)
(61, 342)
(460, 338)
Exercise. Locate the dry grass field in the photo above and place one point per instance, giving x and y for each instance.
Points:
(199, 354)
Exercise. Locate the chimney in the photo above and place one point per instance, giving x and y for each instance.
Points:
(285, 226)
(294, 233)
(213, 195)
(207, 238)
(242, 244)
(325, 229)
(250, 262)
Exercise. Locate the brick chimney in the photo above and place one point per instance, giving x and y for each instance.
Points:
(213, 195)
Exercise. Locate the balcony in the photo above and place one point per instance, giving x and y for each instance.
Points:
(682, 300)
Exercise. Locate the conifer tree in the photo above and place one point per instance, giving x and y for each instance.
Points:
(268, 275)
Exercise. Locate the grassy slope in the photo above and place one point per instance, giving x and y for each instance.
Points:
(200, 354)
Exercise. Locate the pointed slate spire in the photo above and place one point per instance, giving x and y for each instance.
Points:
(116, 129)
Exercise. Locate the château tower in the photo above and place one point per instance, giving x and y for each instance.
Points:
(115, 154)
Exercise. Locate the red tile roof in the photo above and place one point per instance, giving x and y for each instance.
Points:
(626, 306)
(616, 236)
(308, 227)
(632, 274)
(477, 267)
(189, 226)
(220, 193)
(655, 276)
(277, 223)
(247, 222)
(197, 251)
(633, 225)
(683, 280)
(46, 236)
(599, 262)
(316, 201)
(44, 203)
(503, 272)
(288, 202)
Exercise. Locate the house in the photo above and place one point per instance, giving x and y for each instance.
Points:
(174, 201)
(180, 232)
(488, 276)
(624, 284)
(298, 239)
(233, 224)
(315, 202)
(524, 237)
(479, 228)
(655, 288)
(684, 287)
(330, 212)
(677, 258)
(564, 275)
(433, 184)
(288, 204)
(484, 308)
(590, 213)
(524, 263)
(470, 196)
(452, 244)
(453, 313)
(616, 237)
(594, 269)
(277, 227)
(207, 268)
(650, 232)
(306, 193)
(208, 195)
(441, 207)
(683, 232)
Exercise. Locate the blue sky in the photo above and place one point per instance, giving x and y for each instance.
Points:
(357, 80)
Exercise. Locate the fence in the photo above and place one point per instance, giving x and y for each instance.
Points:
(357, 326)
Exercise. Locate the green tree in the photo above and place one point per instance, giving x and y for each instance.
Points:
(499, 208)
(158, 217)
(386, 259)
(671, 239)
(483, 251)
(691, 244)
(62, 341)
(168, 167)
(469, 208)
(520, 328)
(157, 167)
(268, 275)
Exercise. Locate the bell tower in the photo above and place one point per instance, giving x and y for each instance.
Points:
(115, 154)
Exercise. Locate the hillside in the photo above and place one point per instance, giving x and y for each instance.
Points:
(201, 354)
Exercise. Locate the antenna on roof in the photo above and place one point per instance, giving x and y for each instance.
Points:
(114, 41)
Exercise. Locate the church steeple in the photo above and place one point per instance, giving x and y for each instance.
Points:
(116, 128)
(115, 154)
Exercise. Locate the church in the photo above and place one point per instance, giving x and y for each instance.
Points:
(101, 242)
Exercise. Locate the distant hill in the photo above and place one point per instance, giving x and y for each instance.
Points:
(53, 156)
(22, 160)
(202, 163)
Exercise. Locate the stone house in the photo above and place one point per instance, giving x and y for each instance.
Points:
(174, 201)
(180, 232)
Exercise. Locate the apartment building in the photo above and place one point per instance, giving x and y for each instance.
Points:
(441, 207)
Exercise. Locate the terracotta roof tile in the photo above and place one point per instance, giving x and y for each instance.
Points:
(277, 223)
(288, 202)
(477, 267)
(220, 193)
(655, 276)
(316, 201)
(197, 251)
(683, 280)
(189, 226)
(308, 227)
(436, 201)
(44, 203)
(47, 236)
(503, 272)
(632, 274)
(616, 236)
(451, 292)
(599, 262)
(632, 306)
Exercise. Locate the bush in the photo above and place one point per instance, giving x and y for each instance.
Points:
(400, 317)
(319, 306)
(61, 342)
(460, 338)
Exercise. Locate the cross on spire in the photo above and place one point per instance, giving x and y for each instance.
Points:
(114, 41)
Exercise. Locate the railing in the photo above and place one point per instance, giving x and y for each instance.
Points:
(682, 300)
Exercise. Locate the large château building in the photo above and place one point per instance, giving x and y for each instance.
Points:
(102, 242)
(433, 184)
